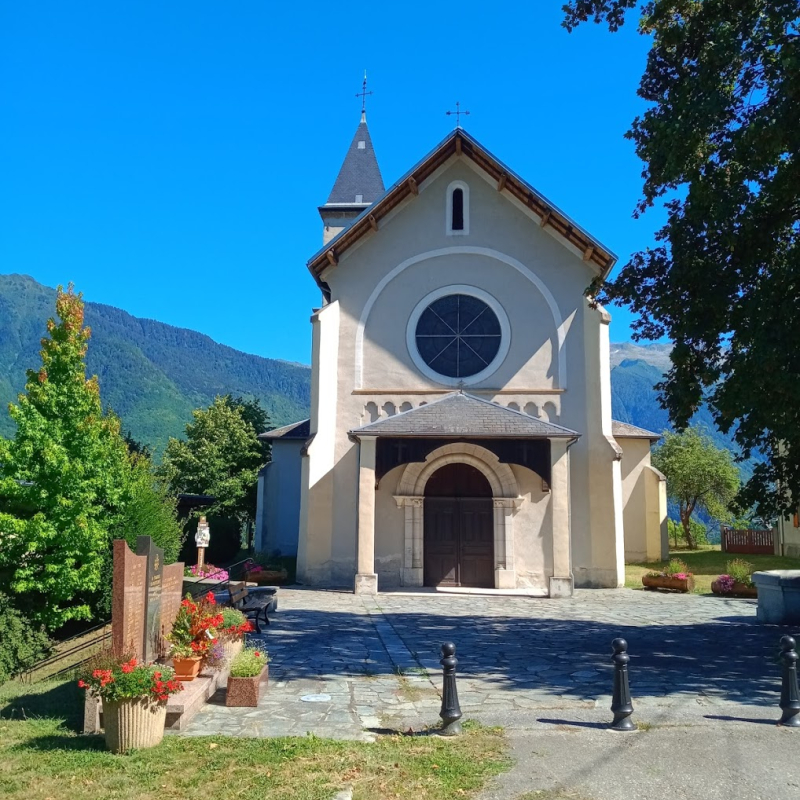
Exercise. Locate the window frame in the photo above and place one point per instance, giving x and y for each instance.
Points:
(449, 230)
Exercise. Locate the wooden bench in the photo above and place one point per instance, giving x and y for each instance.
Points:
(254, 603)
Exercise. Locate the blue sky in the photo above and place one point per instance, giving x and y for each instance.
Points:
(169, 158)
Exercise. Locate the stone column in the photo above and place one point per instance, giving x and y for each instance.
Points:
(505, 576)
(366, 581)
(561, 583)
(412, 551)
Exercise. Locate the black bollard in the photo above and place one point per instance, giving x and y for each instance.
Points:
(451, 711)
(790, 696)
(621, 703)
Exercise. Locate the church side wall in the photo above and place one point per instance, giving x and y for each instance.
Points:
(533, 532)
(635, 457)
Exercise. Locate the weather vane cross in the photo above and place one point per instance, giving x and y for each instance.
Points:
(458, 112)
(363, 94)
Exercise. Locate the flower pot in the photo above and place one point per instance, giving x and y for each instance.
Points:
(186, 669)
(266, 577)
(668, 583)
(243, 692)
(134, 724)
(738, 590)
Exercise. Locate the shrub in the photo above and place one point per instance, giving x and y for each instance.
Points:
(740, 570)
(234, 624)
(676, 568)
(194, 631)
(677, 536)
(22, 643)
(248, 663)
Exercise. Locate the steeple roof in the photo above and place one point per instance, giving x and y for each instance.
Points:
(359, 180)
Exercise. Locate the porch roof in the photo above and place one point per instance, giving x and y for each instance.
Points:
(460, 414)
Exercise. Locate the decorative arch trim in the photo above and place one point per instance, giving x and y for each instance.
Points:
(500, 476)
(558, 322)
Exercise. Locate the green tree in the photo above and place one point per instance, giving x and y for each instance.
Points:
(62, 479)
(720, 142)
(699, 476)
(221, 457)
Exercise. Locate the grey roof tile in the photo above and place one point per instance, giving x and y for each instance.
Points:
(460, 414)
(297, 430)
(360, 174)
(624, 430)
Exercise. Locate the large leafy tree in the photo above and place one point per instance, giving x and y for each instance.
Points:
(700, 477)
(221, 456)
(720, 142)
(62, 479)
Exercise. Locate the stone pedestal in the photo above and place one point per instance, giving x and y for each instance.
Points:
(366, 583)
(561, 587)
(778, 596)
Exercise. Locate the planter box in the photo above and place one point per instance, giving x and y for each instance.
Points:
(668, 583)
(243, 692)
(266, 577)
(778, 596)
(134, 724)
(187, 669)
(231, 648)
(739, 590)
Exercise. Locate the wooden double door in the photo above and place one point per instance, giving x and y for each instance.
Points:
(458, 528)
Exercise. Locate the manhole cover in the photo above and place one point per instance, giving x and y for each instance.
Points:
(316, 698)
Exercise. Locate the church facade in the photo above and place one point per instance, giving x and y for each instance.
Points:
(460, 431)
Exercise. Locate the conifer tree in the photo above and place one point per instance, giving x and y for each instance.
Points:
(63, 479)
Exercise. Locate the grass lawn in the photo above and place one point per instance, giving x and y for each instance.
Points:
(42, 758)
(707, 564)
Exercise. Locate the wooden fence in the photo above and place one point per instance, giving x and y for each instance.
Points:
(748, 541)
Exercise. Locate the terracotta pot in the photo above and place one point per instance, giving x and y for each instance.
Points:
(186, 669)
(134, 724)
(738, 590)
(243, 692)
(668, 583)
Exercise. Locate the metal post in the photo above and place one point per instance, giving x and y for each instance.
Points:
(790, 696)
(621, 703)
(451, 711)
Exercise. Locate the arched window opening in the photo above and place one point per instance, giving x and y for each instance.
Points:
(458, 210)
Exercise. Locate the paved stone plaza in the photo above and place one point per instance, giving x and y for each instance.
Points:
(350, 667)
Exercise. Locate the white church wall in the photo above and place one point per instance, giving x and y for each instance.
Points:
(533, 532)
(389, 531)
(557, 341)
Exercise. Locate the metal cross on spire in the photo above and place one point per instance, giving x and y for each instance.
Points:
(363, 94)
(458, 112)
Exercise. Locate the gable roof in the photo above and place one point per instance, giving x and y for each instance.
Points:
(297, 430)
(360, 175)
(460, 143)
(624, 430)
(459, 414)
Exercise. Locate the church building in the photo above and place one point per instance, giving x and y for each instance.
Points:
(460, 431)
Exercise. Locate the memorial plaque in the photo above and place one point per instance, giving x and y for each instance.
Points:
(152, 616)
(129, 589)
(171, 589)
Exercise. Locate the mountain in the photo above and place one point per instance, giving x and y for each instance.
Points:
(153, 375)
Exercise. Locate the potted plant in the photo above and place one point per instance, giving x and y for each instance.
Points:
(134, 699)
(248, 669)
(193, 636)
(674, 577)
(737, 582)
(232, 632)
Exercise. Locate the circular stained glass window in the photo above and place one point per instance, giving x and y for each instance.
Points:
(458, 336)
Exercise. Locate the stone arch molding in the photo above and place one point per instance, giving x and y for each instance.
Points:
(505, 499)
(500, 476)
(488, 252)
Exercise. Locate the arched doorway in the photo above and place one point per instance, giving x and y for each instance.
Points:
(458, 528)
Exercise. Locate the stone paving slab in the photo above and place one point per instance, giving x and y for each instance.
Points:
(520, 658)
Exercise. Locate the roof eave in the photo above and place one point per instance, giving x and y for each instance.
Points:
(460, 142)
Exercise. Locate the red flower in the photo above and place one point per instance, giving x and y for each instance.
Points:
(258, 654)
(127, 668)
(82, 684)
(211, 599)
(157, 676)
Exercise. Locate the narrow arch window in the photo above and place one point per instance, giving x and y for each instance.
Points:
(457, 220)
(457, 223)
